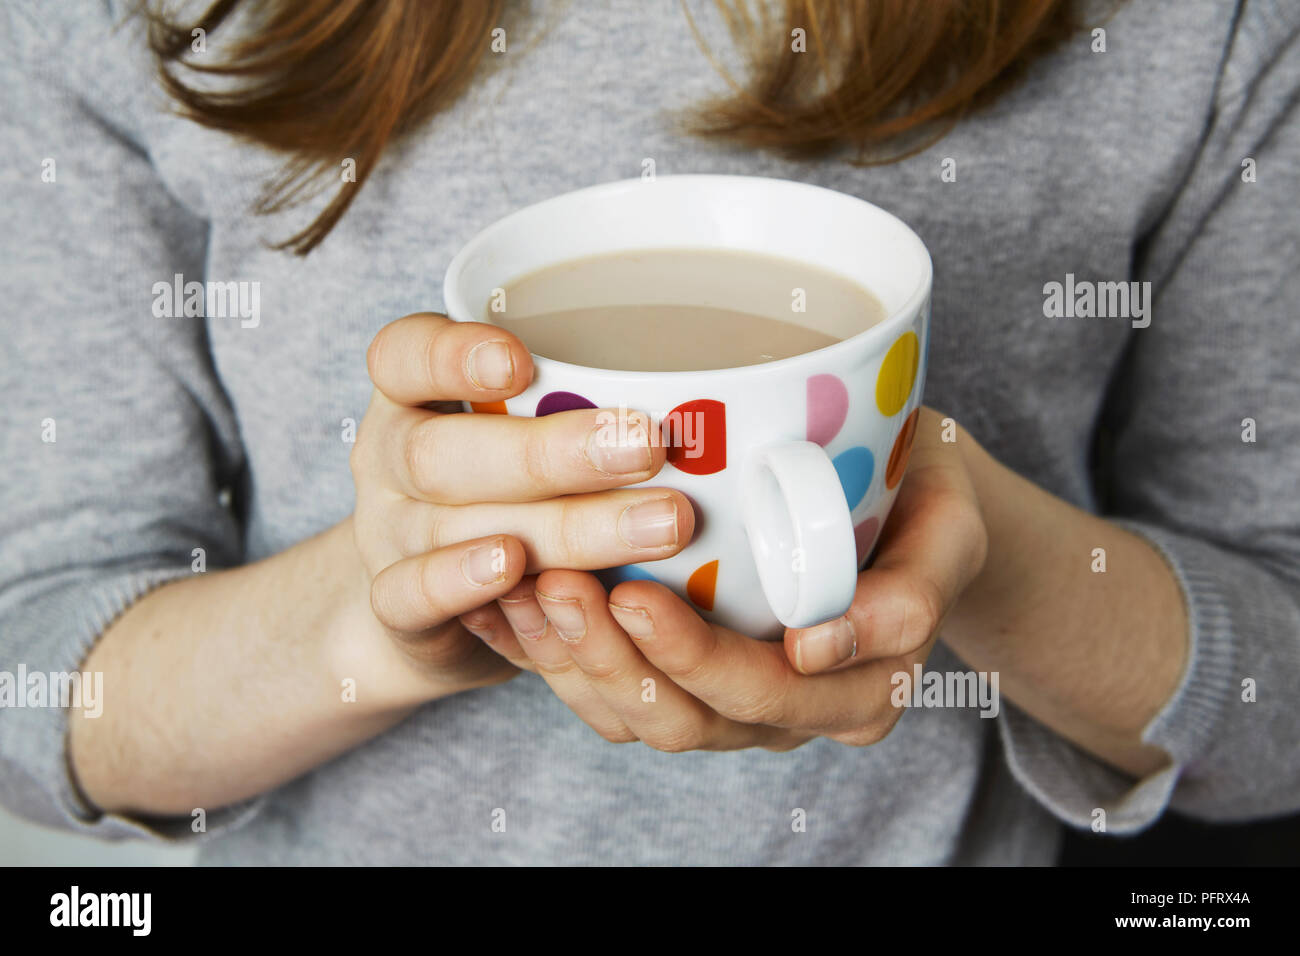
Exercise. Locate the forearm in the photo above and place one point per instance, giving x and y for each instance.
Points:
(1092, 654)
(229, 683)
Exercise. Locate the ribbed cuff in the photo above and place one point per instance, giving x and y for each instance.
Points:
(52, 632)
(1073, 785)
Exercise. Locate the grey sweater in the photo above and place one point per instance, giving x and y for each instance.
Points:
(1128, 164)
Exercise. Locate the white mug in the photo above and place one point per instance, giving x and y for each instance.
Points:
(799, 459)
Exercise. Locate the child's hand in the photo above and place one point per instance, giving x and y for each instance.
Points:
(452, 510)
(715, 689)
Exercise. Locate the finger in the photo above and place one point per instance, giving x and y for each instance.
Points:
(488, 623)
(454, 459)
(543, 646)
(658, 711)
(932, 547)
(424, 591)
(427, 357)
(584, 532)
(747, 680)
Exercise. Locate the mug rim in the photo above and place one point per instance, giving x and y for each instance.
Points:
(453, 300)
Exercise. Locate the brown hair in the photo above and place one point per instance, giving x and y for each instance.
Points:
(329, 80)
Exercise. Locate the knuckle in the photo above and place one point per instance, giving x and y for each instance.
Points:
(882, 729)
(569, 533)
(428, 590)
(602, 672)
(555, 668)
(874, 729)
(358, 458)
(520, 661)
(377, 355)
(977, 536)
(379, 604)
(450, 653)
(368, 527)
(675, 739)
(923, 607)
(862, 736)
(770, 702)
(967, 522)
(758, 709)
(534, 458)
(695, 665)
(425, 535)
(618, 735)
(690, 670)
(417, 456)
(433, 357)
(363, 456)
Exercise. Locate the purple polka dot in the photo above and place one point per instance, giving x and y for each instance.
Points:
(864, 535)
(828, 406)
(553, 402)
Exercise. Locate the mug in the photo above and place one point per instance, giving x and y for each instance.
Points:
(791, 465)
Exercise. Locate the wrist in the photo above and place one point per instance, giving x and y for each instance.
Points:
(999, 589)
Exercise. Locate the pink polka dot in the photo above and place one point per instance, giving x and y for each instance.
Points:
(864, 535)
(828, 406)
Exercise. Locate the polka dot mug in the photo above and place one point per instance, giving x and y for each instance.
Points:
(802, 456)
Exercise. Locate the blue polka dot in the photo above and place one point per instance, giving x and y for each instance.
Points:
(611, 577)
(855, 468)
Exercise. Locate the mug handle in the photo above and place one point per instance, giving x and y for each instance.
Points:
(800, 532)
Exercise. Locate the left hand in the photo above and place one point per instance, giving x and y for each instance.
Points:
(716, 689)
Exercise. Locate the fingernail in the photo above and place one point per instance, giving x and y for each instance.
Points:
(485, 564)
(825, 646)
(525, 616)
(616, 454)
(480, 626)
(489, 365)
(635, 620)
(650, 524)
(565, 615)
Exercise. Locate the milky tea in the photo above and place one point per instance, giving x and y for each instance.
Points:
(674, 310)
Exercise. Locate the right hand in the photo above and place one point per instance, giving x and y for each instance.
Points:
(454, 509)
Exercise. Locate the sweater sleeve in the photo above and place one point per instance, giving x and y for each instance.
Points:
(1205, 414)
(117, 438)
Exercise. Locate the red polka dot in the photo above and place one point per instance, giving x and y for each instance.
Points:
(695, 434)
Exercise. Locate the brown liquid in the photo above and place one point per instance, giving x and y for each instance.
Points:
(681, 310)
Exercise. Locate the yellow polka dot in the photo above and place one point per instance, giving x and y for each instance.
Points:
(897, 374)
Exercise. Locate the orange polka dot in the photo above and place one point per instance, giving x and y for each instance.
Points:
(490, 408)
(702, 584)
(902, 450)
